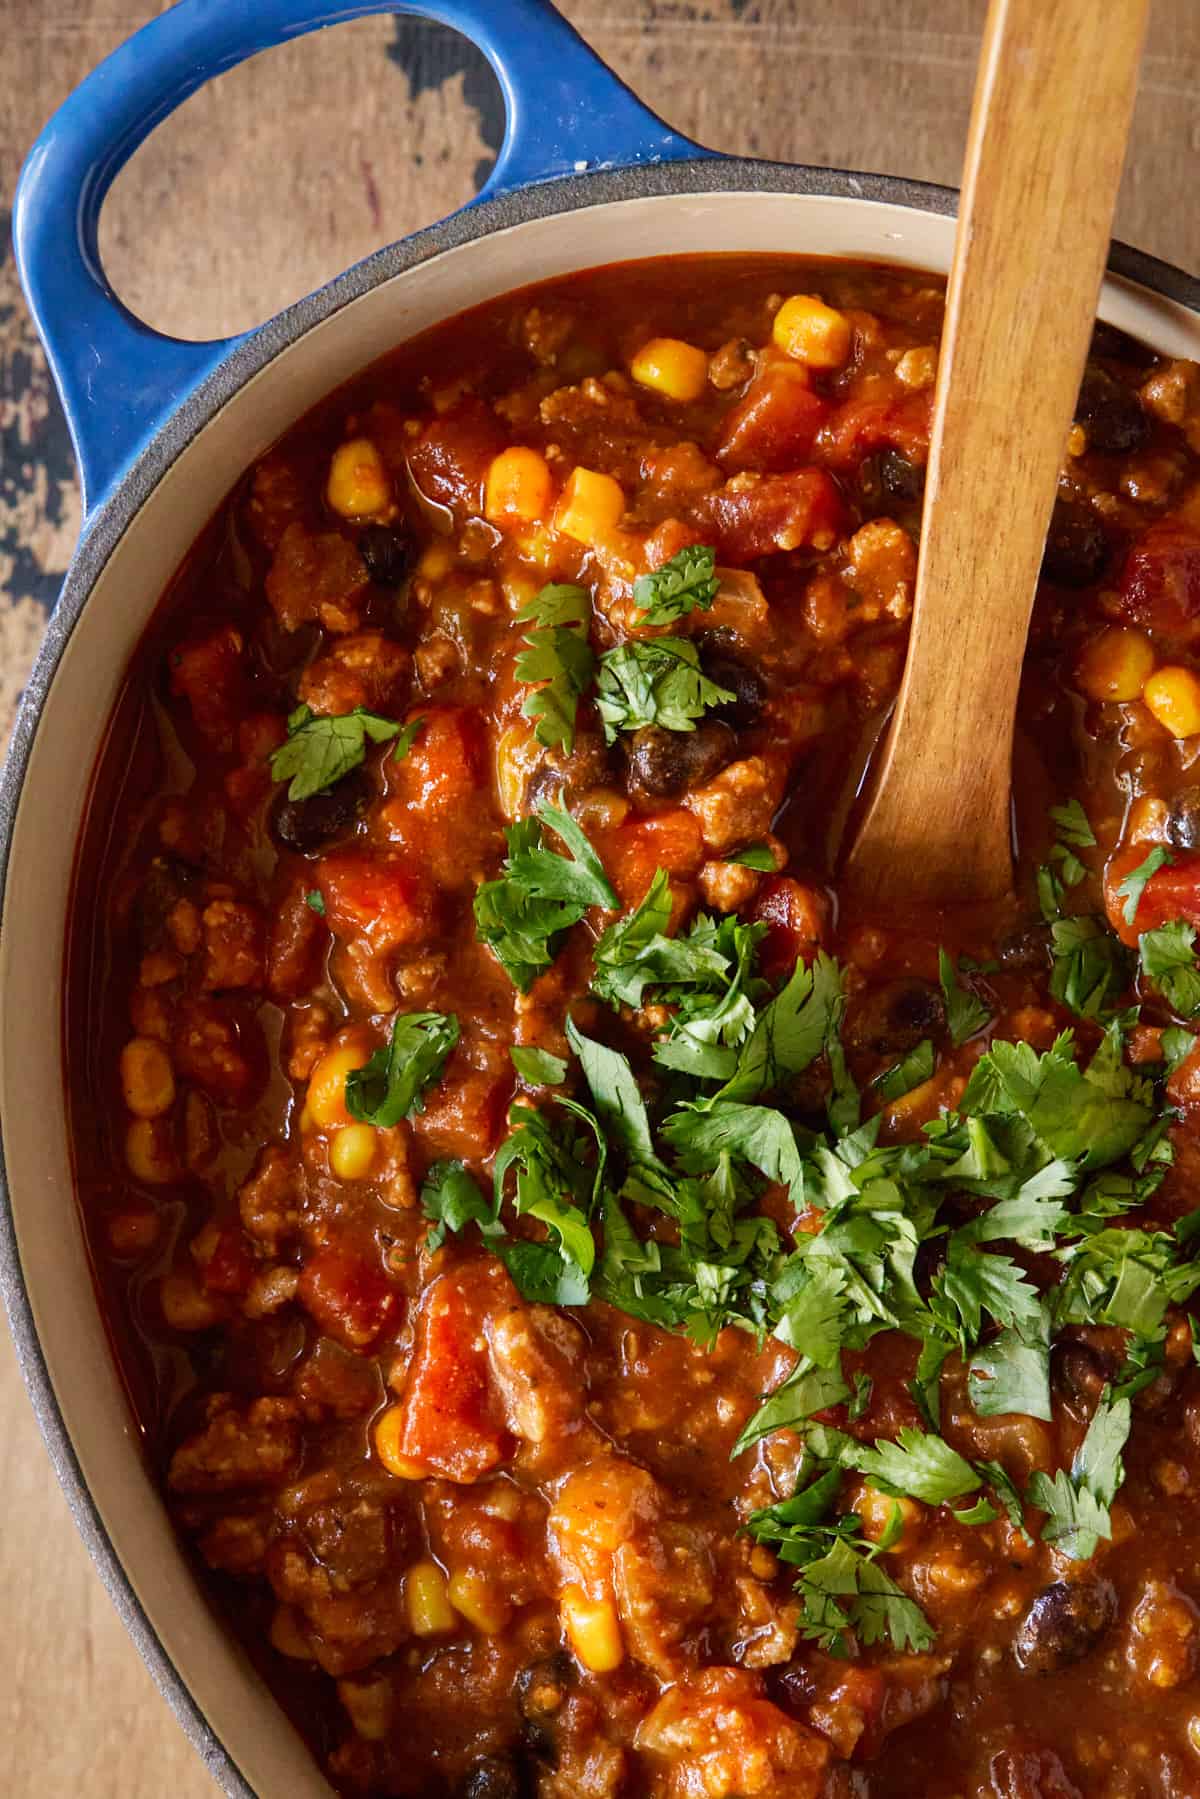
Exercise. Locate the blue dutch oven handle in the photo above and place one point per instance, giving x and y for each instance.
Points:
(118, 379)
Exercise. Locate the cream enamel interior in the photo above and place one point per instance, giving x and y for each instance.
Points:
(77, 707)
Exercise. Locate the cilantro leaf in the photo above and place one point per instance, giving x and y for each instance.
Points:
(755, 1134)
(558, 657)
(388, 1087)
(913, 1069)
(634, 953)
(320, 750)
(654, 681)
(680, 585)
(755, 855)
(1073, 825)
(919, 1465)
(615, 1093)
(553, 1184)
(406, 738)
(1134, 883)
(315, 901)
(1168, 958)
(806, 1390)
(537, 1066)
(791, 1032)
(538, 896)
(1012, 1374)
(1177, 1045)
(1090, 966)
(965, 1011)
(972, 1282)
(1077, 1503)
(1070, 1114)
(451, 1200)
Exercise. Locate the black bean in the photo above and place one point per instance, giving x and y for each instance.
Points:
(665, 764)
(891, 1020)
(1064, 1624)
(747, 686)
(890, 479)
(1077, 551)
(1118, 346)
(1110, 413)
(1183, 819)
(493, 1777)
(557, 777)
(309, 826)
(1078, 1373)
(387, 554)
(1026, 949)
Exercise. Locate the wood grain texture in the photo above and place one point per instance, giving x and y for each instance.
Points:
(1045, 149)
(228, 213)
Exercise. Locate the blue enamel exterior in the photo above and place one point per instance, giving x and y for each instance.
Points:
(119, 381)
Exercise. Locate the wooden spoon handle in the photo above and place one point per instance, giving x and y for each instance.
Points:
(1051, 114)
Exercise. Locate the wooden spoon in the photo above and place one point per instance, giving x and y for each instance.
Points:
(1051, 114)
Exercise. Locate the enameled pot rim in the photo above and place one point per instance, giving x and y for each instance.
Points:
(103, 532)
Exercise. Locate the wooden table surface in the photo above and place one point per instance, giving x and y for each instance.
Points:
(264, 186)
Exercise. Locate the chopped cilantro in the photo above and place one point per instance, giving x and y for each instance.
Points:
(538, 1066)
(315, 901)
(672, 591)
(909, 1072)
(918, 1465)
(1077, 1504)
(538, 896)
(965, 1011)
(389, 1086)
(1073, 825)
(554, 1184)
(1177, 1045)
(558, 657)
(1168, 958)
(1134, 884)
(1090, 966)
(451, 1200)
(320, 750)
(654, 681)
(755, 855)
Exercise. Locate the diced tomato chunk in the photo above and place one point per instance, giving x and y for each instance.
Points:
(1171, 892)
(464, 1112)
(378, 899)
(452, 1419)
(349, 1296)
(795, 916)
(209, 673)
(230, 1268)
(637, 850)
(775, 423)
(778, 512)
(450, 459)
(446, 765)
(863, 425)
(1160, 582)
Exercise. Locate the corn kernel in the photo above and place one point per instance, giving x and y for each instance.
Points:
(878, 1512)
(326, 1103)
(1115, 665)
(430, 1612)
(518, 753)
(671, 367)
(436, 562)
(389, 1432)
(358, 485)
(146, 1078)
(593, 1630)
(148, 1152)
(479, 1602)
(185, 1306)
(1173, 696)
(352, 1152)
(518, 487)
(591, 505)
(812, 332)
(288, 1636)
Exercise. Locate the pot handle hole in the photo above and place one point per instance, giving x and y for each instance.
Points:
(119, 381)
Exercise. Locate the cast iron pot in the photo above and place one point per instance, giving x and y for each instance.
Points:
(162, 429)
